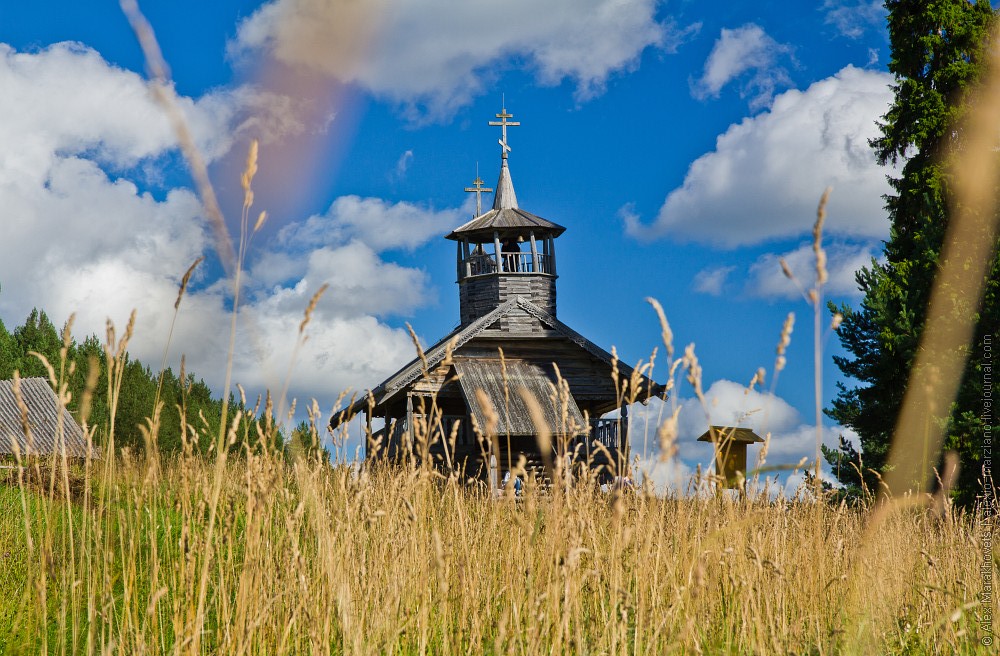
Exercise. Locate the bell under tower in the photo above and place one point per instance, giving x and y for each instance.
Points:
(505, 252)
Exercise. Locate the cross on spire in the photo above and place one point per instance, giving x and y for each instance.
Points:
(504, 123)
(478, 190)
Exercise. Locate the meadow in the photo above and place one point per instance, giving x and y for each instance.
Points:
(268, 554)
(259, 544)
(259, 547)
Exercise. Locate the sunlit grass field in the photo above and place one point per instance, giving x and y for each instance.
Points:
(266, 553)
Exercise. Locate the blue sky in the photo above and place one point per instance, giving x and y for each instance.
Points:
(683, 145)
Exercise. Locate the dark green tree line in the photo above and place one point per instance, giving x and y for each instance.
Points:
(137, 394)
(939, 52)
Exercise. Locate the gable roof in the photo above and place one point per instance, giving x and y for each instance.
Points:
(43, 417)
(454, 340)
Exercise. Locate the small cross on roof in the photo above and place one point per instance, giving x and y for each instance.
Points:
(478, 190)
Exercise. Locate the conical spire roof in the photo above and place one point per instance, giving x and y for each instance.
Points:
(505, 215)
(504, 198)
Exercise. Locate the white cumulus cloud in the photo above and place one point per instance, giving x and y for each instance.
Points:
(381, 225)
(81, 235)
(439, 54)
(766, 174)
(736, 52)
(766, 279)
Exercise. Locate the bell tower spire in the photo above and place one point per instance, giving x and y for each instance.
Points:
(504, 198)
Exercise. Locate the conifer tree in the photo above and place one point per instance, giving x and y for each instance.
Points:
(37, 335)
(8, 353)
(939, 52)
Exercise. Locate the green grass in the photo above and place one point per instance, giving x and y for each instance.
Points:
(307, 558)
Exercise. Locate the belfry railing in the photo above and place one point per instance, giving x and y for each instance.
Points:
(484, 264)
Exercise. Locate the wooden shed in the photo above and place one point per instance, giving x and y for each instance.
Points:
(509, 345)
(50, 428)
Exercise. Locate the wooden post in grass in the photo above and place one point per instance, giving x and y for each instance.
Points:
(731, 453)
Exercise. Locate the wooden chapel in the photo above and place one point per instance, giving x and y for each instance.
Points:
(509, 345)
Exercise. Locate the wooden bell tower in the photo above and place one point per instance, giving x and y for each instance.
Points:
(505, 252)
(509, 347)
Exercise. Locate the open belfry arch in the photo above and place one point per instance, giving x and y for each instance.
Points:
(468, 402)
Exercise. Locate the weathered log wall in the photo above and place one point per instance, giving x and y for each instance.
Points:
(482, 294)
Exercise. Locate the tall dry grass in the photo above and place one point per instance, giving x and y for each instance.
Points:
(272, 551)
(311, 558)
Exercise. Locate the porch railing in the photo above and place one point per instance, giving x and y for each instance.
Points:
(607, 432)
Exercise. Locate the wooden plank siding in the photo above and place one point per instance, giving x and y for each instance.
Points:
(471, 457)
(480, 295)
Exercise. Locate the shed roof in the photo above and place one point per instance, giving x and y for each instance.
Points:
(731, 434)
(43, 415)
(504, 384)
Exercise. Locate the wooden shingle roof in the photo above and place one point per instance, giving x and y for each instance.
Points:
(505, 215)
(506, 219)
(48, 434)
(504, 384)
(461, 336)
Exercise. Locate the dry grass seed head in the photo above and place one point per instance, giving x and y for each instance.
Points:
(248, 172)
(784, 341)
(185, 280)
(419, 348)
(665, 332)
(693, 368)
(261, 218)
(307, 316)
(667, 436)
(543, 432)
(821, 273)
